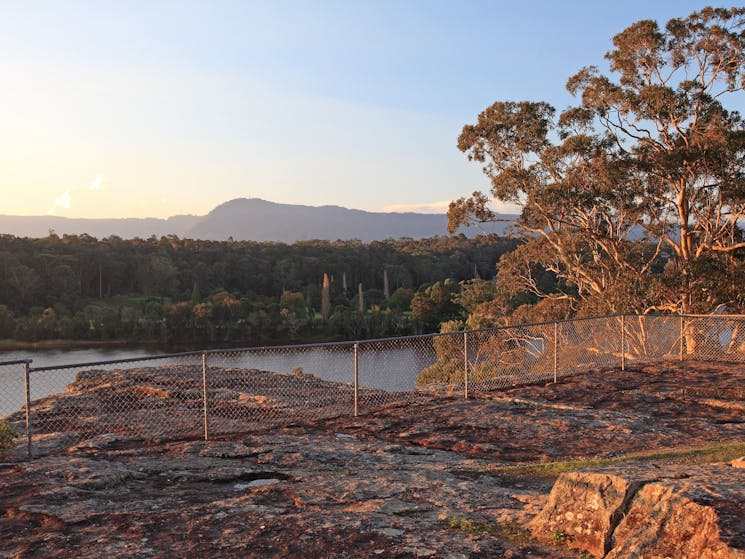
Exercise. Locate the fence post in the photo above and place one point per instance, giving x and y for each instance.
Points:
(465, 363)
(27, 383)
(623, 342)
(204, 395)
(356, 377)
(682, 335)
(556, 350)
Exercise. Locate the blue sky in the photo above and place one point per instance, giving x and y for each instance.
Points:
(134, 109)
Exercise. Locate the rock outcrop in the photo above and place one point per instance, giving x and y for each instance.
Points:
(425, 478)
(638, 512)
(583, 509)
(166, 402)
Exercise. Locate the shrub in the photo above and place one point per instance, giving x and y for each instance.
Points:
(7, 437)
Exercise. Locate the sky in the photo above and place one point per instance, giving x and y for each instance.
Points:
(159, 108)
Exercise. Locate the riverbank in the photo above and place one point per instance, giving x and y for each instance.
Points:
(16, 345)
(159, 346)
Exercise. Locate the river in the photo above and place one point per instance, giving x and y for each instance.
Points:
(391, 366)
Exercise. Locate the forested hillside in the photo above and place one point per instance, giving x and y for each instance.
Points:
(180, 290)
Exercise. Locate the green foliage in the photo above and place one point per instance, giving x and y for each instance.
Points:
(468, 526)
(486, 305)
(400, 300)
(7, 322)
(294, 312)
(447, 371)
(709, 454)
(77, 287)
(546, 310)
(473, 293)
(506, 531)
(435, 304)
(499, 354)
(645, 170)
(7, 438)
(448, 368)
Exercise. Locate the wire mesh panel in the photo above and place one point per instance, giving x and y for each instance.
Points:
(510, 356)
(714, 338)
(588, 343)
(437, 361)
(12, 387)
(397, 371)
(12, 400)
(234, 391)
(652, 337)
(249, 389)
(146, 399)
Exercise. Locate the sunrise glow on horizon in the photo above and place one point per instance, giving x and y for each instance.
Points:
(158, 109)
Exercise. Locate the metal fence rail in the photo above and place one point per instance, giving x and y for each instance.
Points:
(220, 392)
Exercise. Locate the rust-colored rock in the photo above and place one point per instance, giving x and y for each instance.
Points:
(582, 510)
(113, 475)
(646, 511)
(662, 522)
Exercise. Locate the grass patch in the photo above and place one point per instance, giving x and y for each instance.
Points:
(703, 455)
(506, 531)
(559, 537)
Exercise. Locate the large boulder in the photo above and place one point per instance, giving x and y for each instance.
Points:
(582, 510)
(663, 522)
(645, 511)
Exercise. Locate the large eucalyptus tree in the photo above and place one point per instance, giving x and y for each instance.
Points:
(646, 169)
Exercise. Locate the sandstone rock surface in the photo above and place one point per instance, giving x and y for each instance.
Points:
(421, 479)
(642, 511)
(583, 509)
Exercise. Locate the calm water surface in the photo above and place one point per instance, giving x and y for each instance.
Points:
(391, 367)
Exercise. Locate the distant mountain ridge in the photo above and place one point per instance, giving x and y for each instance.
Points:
(127, 228)
(252, 219)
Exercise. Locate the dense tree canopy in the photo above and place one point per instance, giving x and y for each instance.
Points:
(634, 198)
(182, 290)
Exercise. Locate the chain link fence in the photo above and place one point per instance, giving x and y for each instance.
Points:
(15, 393)
(707, 338)
(217, 393)
(152, 398)
(387, 371)
(653, 338)
(277, 386)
